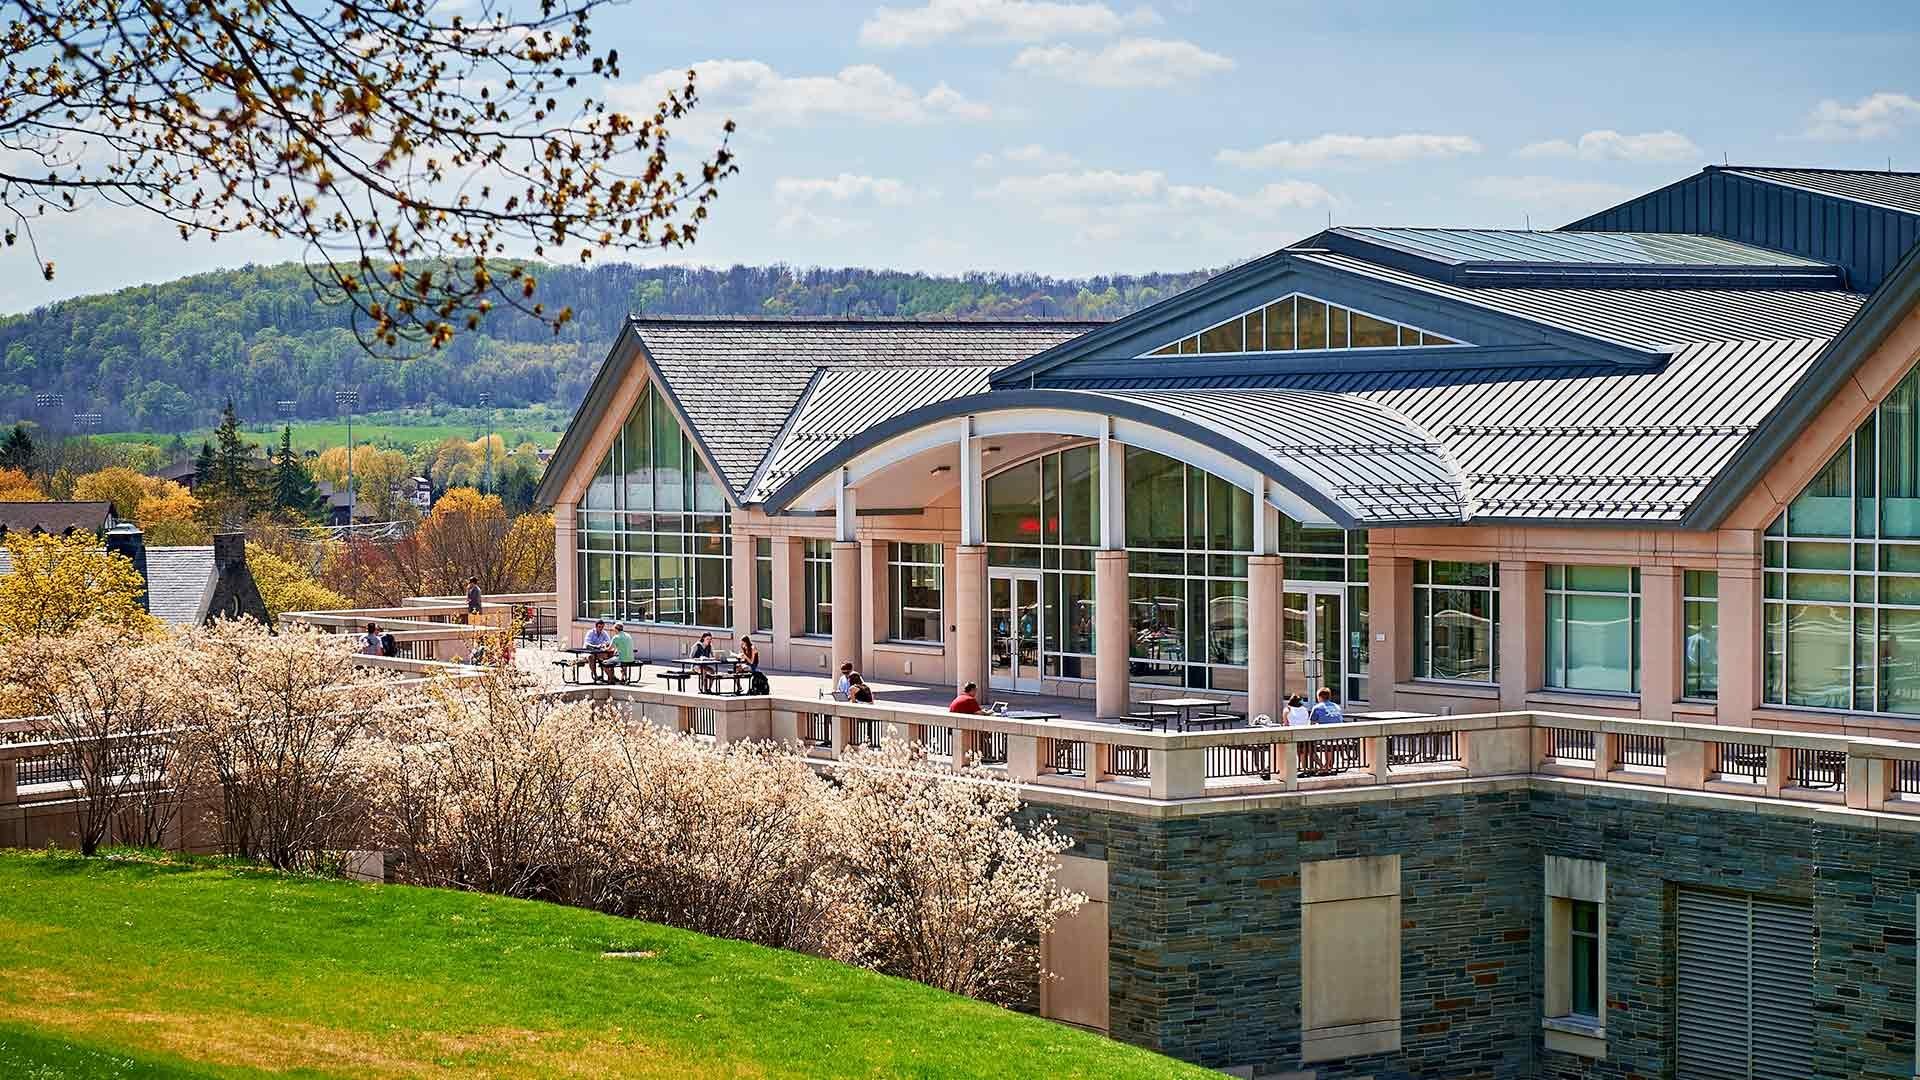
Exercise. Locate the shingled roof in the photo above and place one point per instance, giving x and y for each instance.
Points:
(739, 379)
(55, 517)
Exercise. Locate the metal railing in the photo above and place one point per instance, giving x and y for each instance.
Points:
(1740, 761)
(703, 722)
(937, 740)
(1906, 778)
(867, 733)
(1817, 768)
(1131, 761)
(1224, 762)
(1431, 748)
(817, 729)
(1067, 757)
(1570, 744)
(1643, 751)
(1331, 757)
(986, 747)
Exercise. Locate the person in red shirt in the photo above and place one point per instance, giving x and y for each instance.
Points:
(968, 701)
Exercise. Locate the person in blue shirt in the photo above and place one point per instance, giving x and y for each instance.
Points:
(601, 643)
(1325, 709)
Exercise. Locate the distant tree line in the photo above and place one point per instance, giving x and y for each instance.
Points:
(164, 357)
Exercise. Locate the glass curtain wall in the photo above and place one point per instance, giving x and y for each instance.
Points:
(1700, 600)
(1044, 514)
(655, 542)
(1188, 538)
(1843, 574)
(763, 584)
(817, 574)
(1339, 558)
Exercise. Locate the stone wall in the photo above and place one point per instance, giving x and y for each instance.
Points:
(1205, 924)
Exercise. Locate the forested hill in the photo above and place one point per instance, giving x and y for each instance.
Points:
(165, 357)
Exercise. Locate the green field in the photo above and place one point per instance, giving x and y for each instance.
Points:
(396, 428)
(141, 966)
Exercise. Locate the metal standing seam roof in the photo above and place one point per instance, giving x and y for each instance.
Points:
(1893, 190)
(1569, 442)
(1577, 248)
(1651, 319)
(740, 380)
(846, 401)
(1383, 468)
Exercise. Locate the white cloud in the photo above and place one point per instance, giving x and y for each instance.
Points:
(809, 223)
(1349, 150)
(1872, 117)
(1133, 62)
(1543, 194)
(1102, 205)
(996, 20)
(1608, 145)
(754, 89)
(1032, 154)
(847, 187)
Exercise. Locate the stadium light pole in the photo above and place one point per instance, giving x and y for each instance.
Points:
(349, 399)
(486, 402)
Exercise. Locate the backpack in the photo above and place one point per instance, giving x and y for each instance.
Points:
(388, 646)
(759, 685)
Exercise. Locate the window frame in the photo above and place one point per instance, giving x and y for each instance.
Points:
(763, 613)
(1401, 328)
(816, 566)
(1572, 886)
(1558, 588)
(1422, 601)
(1708, 600)
(898, 569)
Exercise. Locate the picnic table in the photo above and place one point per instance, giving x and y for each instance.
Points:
(1029, 714)
(570, 669)
(714, 670)
(1184, 715)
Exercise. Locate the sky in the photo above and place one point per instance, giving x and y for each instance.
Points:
(1077, 137)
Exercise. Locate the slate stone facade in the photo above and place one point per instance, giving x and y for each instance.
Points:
(1205, 925)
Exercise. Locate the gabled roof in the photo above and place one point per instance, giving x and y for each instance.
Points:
(1892, 190)
(55, 517)
(738, 380)
(180, 582)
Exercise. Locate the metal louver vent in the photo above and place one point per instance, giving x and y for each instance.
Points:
(1745, 973)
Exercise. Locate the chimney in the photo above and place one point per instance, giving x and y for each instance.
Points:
(229, 548)
(126, 539)
(234, 592)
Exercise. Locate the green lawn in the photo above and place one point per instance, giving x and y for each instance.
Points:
(399, 428)
(138, 966)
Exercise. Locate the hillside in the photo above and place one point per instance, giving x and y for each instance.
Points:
(143, 968)
(162, 358)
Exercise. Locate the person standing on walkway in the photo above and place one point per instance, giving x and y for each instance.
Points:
(474, 600)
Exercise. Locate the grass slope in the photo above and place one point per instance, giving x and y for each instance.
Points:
(143, 967)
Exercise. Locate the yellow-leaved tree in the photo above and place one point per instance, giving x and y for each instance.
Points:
(59, 583)
(119, 485)
(285, 587)
(17, 486)
(170, 516)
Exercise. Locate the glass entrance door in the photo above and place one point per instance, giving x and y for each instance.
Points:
(1311, 645)
(1014, 631)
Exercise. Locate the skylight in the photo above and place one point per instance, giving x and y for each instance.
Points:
(1298, 322)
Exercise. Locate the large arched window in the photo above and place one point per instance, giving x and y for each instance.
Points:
(655, 539)
(1843, 573)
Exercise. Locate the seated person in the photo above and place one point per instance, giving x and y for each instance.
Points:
(370, 641)
(842, 686)
(703, 650)
(601, 644)
(857, 689)
(1326, 710)
(622, 645)
(968, 701)
(749, 655)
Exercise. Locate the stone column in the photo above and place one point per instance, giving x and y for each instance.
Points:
(1661, 632)
(1111, 694)
(1523, 601)
(745, 603)
(1742, 655)
(969, 642)
(566, 563)
(1390, 626)
(788, 594)
(847, 637)
(1265, 573)
(876, 600)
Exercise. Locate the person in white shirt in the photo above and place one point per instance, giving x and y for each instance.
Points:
(843, 686)
(1296, 713)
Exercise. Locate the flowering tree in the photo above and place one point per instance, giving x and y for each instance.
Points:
(488, 787)
(738, 841)
(279, 719)
(953, 889)
(418, 156)
(116, 702)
